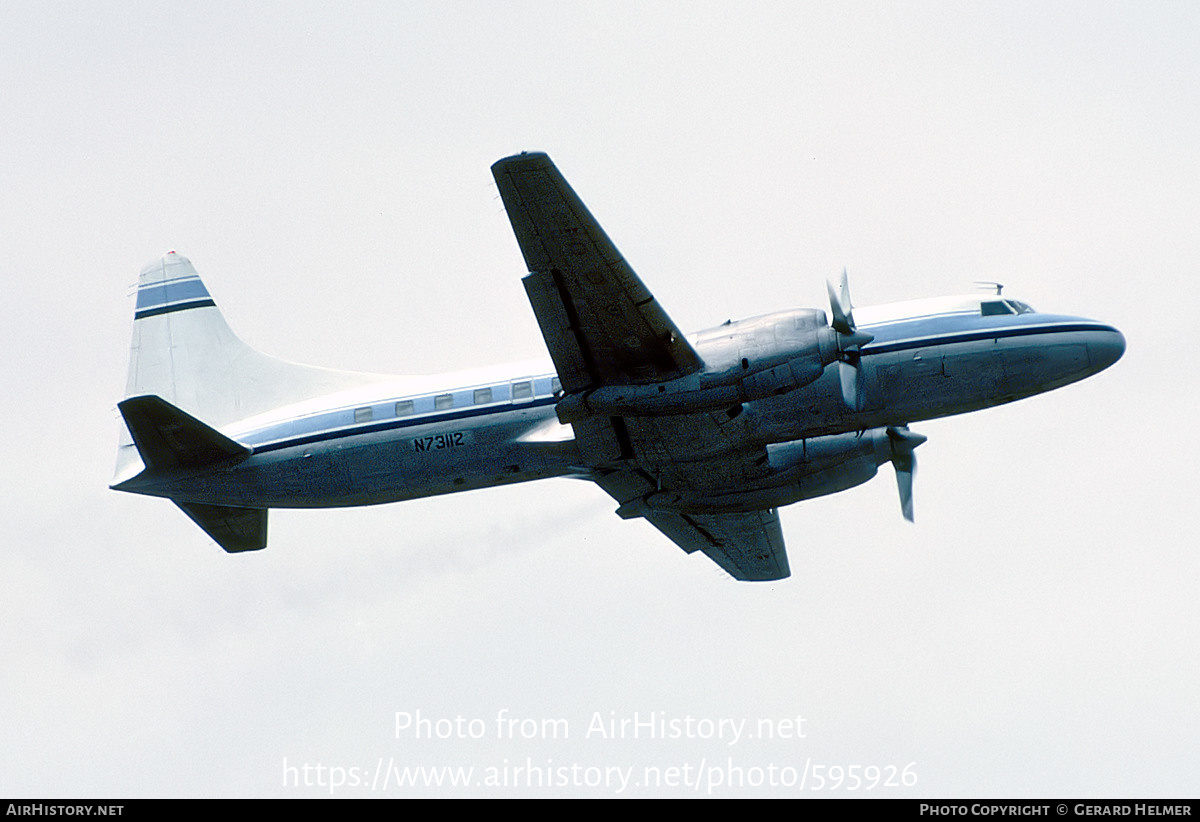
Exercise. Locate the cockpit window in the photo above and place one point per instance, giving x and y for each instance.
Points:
(991, 308)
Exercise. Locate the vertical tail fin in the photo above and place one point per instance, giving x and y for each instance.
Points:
(184, 352)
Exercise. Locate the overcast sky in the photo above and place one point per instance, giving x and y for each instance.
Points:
(326, 169)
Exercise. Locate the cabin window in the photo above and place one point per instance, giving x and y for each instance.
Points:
(443, 401)
(482, 396)
(522, 390)
(362, 414)
(404, 408)
(555, 386)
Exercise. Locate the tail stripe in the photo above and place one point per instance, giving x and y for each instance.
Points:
(167, 309)
(179, 294)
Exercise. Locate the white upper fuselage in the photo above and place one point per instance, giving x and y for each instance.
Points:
(938, 325)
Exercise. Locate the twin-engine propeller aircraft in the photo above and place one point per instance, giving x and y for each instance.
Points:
(703, 436)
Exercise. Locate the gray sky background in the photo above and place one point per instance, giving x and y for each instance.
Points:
(1033, 634)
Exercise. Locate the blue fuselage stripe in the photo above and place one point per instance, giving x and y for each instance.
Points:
(973, 336)
(401, 422)
(925, 341)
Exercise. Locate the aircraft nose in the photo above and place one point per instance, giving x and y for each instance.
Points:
(1105, 348)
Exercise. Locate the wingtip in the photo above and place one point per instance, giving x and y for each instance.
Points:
(527, 159)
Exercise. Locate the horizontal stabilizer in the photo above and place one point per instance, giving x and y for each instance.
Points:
(168, 438)
(234, 529)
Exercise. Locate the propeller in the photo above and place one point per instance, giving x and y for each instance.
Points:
(903, 442)
(850, 341)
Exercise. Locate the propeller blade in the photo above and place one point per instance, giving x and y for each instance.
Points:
(849, 341)
(905, 468)
(848, 373)
(840, 309)
(904, 460)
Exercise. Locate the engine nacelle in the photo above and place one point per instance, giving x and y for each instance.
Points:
(803, 469)
(743, 361)
(817, 466)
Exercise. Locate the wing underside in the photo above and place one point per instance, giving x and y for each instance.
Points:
(748, 545)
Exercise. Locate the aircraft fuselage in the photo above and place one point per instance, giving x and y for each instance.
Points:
(400, 445)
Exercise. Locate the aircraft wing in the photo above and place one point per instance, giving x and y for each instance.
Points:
(667, 465)
(601, 324)
(748, 545)
(603, 327)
